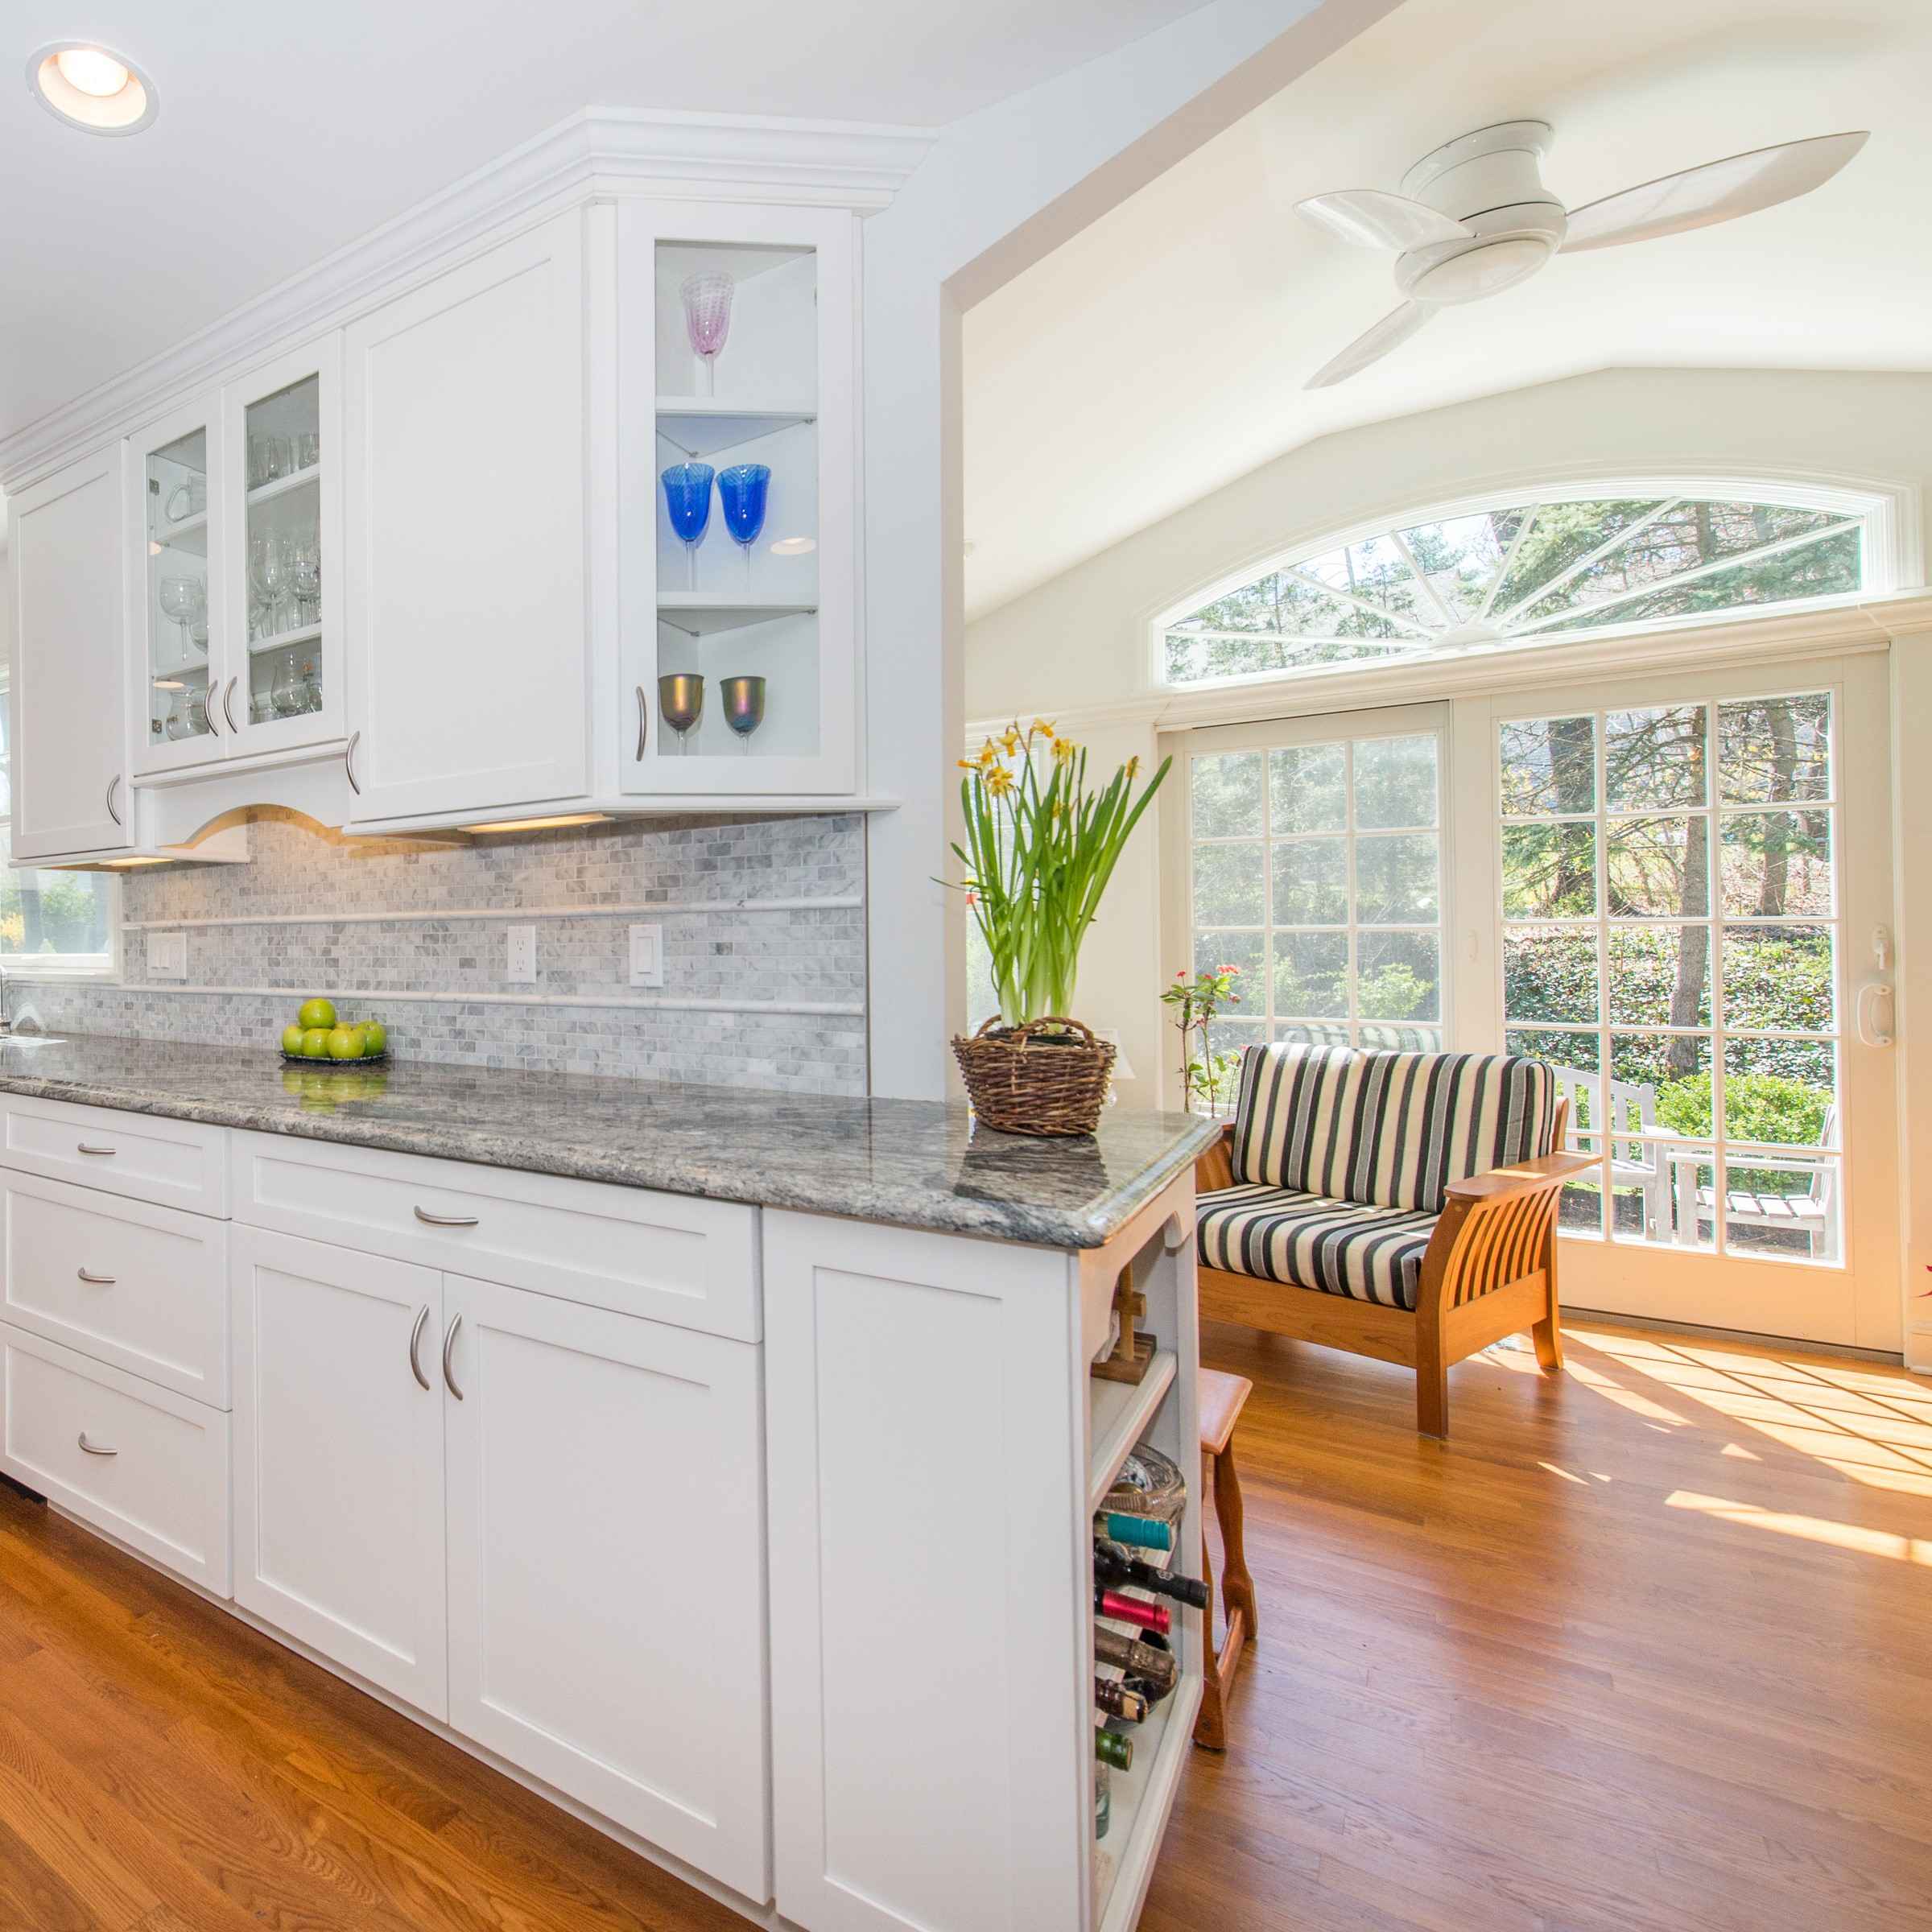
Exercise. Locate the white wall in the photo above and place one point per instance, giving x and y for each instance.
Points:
(998, 190)
(1081, 640)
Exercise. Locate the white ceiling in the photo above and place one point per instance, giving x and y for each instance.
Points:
(1161, 354)
(286, 130)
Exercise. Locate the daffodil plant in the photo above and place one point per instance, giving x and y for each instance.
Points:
(1040, 849)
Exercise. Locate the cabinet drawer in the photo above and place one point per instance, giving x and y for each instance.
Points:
(692, 1263)
(140, 1288)
(155, 1471)
(175, 1163)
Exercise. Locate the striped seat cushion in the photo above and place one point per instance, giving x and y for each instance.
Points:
(1308, 1240)
(1387, 1130)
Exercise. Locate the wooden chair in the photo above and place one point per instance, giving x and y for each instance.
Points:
(1222, 1398)
(1489, 1270)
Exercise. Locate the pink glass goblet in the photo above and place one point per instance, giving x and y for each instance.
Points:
(708, 319)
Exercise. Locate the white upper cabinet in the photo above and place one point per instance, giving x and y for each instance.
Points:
(70, 736)
(737, 489)
(464, 508)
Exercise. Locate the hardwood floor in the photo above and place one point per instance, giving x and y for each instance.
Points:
(1648, 1651)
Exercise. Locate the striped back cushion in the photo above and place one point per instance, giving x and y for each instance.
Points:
(1388, 1130)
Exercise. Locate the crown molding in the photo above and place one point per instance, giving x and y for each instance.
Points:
(598, 153)
(1836, 629)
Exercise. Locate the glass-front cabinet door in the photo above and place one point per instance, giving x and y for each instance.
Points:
(176, 618)
(281, 587)
(737, 495)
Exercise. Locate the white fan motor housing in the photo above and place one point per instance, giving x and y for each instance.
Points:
(1491, 182)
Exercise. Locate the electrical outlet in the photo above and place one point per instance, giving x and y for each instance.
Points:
(521, 967)
(167, 956)
(647, 956)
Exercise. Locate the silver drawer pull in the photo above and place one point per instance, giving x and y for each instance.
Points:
(415, 1343)
(82, 1146)
(446, 1221)
(92, 1451)
(95, 1281)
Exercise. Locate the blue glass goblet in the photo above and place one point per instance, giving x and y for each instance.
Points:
(741, 493)
(688, 501)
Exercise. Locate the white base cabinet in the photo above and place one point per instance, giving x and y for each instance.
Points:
(606, 1541)
(339, 1457)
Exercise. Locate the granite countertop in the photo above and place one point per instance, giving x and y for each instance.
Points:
(907, 1163)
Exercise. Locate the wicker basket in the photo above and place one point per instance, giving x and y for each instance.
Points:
(1035, 1078)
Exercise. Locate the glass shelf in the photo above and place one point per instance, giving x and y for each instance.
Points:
(698, 616)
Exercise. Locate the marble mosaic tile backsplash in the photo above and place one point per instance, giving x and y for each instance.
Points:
(763, 927)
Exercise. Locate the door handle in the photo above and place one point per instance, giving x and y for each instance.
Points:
(228, 703)
(1867, 1030)
(349, 762)
(449, 1342)
(95, 1281)
(446, 1221)
(415, 1345)
(113, 785)
(643, 712)
(91, 1449)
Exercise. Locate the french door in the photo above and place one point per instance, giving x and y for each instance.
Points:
(1688, 889)
(1675, 888)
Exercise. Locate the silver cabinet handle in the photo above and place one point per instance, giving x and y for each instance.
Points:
(449, 1342)
(415, 1346)
(643, 713)
(446, 1221)
(349, 761)
(228, 703)
(82, 1147)
(212, 709)
(92, 1451)
(113, 785)
(95, 1281)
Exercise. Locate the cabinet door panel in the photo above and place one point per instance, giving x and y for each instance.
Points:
(606, 1538)
(464, 506)
(70, 724)
(339, 1457)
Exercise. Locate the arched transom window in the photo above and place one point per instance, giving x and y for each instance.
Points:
(1528, 573)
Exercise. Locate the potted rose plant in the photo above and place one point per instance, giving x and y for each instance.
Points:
(1040, 849)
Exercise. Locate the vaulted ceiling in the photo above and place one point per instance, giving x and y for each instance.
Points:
(286, 130)
(1162, 354)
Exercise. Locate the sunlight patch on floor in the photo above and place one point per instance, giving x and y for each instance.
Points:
(1811, 1529)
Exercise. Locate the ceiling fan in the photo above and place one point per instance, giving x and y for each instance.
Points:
(1473, 218)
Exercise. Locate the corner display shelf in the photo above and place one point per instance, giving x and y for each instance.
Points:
(698, 427)
(698, 616)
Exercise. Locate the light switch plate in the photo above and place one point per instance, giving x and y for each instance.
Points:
(647, 956)
(167, 956)
(521, 967)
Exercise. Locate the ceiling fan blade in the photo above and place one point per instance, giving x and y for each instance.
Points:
(1394, 329)
(1371, 219)
(1719, 190)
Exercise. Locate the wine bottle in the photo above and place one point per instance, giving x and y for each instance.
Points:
(1114, 1566)
(1138, 1660)
(1117, 1700)
(1141, 1532)
(1113, 1749)
(1133, 1610)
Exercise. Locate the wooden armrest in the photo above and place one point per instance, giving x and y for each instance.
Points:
(1520, 1177)
(1214, 1166)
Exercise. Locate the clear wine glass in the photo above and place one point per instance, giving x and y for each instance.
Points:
(707, 299)
(276, 570)
(681, 705)
(688, 502)
(742, 490)
(285, 692)
(306, 576)
(184, 600)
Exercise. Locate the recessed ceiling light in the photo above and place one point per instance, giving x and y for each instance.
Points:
(794, 547)
(92, 87)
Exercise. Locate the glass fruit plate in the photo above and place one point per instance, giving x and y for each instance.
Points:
(323, 1062)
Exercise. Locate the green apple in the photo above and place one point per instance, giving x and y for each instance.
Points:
(292, 1039)
(375, 1037)
(345, 1043)
(317, 1013)
(315, 1042)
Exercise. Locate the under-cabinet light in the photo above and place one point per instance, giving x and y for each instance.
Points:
(573, 818)
(150, 858)
(92, 87)
(794, 547)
